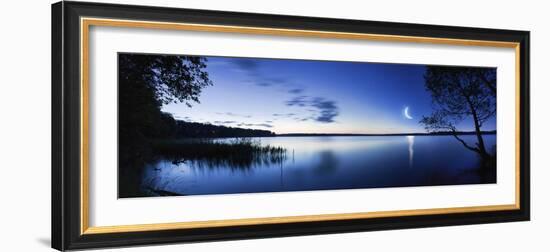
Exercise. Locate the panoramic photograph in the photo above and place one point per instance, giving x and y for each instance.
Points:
(202, 125)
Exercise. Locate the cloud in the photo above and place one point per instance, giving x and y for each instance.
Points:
(246, 64)
(264, 81)
(264, 84)
(265, 125)
(284, 115)
(303, 119)
(252, 68)
(185, 118)
(296, 91)
(300, 101)
(325, 110)
(224, 122)
(231, 114)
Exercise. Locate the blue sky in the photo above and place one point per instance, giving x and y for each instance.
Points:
(305, 96)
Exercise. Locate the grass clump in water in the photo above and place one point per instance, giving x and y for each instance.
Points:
(235, 152)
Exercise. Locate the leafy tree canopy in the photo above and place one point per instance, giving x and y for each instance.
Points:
(146, 82)
(170, 78)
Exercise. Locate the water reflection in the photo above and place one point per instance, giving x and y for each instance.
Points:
(328, 163)
(410, 140)
(245, 162)
(233, 153)
(319, 163)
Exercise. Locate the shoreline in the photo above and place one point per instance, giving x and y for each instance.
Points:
(387, 134)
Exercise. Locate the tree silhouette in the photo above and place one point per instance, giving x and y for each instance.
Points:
(145, 83)
(459, 93)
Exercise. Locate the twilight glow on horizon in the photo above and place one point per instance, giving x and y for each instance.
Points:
(306, 96)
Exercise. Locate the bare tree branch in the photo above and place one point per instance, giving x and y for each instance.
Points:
(490, 84)
(458, 94)
(464, 143)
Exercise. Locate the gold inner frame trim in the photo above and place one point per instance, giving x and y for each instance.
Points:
(85, 24)
(289, 219)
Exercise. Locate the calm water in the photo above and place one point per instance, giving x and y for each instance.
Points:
(318, 163)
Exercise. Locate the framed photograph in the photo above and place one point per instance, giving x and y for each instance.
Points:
(179, 125)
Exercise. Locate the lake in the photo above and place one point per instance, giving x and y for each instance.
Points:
(328, 163)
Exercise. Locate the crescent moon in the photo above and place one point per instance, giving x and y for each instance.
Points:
(406, 113)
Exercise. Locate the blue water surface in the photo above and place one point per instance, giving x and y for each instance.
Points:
(330, 162)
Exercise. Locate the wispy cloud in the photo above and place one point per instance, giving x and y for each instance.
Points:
(327, 109)
(300, 101)
(284, 115)
(224, 122)
(240, 124)
(252, 67)
(296, 90)
(185, 118)
(324, 110)
(245, 64)
(303, 119)
(264, 83)
(231, 114)
(264, 125)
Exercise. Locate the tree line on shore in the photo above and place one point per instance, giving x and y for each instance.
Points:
(172, 128)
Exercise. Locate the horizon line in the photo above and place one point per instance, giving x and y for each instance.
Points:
(401, 133)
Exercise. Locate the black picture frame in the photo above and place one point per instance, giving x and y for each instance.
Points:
(66, 125)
